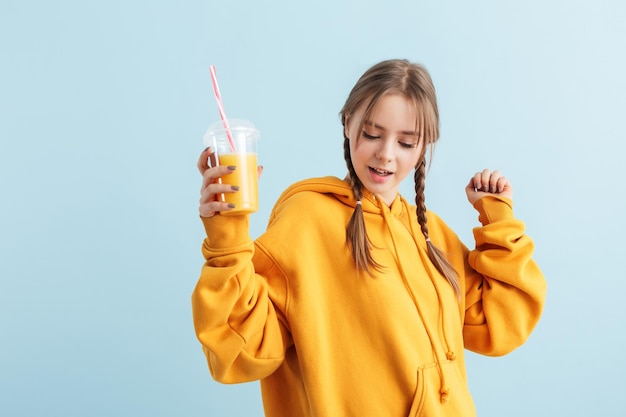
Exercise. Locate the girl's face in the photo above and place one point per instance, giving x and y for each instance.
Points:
(387, 149)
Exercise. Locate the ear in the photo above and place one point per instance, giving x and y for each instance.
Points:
(346, 123)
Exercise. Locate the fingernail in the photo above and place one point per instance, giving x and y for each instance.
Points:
(231, 205)
(232, 167)
(234, 187)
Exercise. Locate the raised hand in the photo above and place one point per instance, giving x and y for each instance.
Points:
(488, 183)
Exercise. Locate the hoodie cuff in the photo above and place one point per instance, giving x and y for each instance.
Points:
(226, 231)
(493, 208)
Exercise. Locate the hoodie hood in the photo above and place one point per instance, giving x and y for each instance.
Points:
(342, 191)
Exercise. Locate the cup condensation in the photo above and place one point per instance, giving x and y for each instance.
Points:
(244, 138)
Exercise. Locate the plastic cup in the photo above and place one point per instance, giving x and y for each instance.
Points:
(244, 138)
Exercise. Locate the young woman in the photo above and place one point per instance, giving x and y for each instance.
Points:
(355, 302)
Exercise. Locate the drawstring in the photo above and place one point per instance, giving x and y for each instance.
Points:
(444, 390)
(450, 355)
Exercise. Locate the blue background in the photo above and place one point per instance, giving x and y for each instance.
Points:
(103, 106)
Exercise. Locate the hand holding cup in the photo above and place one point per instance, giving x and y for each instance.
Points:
(229, 170)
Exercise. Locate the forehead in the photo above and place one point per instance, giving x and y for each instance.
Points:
(393, 112)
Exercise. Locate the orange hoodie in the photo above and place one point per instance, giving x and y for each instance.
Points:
(291, 310)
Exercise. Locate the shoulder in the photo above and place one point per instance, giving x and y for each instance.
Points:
(442, 234)
(307, 214)
(314, 195)
(309, 208)
(434, 222)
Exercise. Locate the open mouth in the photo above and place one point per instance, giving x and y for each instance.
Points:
(380, 172)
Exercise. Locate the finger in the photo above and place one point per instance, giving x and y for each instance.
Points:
(214, 207)
(501, 184)
(213, 192)
(504, 185)
(203, 160)
(259, 170)
(470, 187)
(213, 175)
(493, 181)
(209, 177)
(212, 199)
(477, 182)
(485, 176)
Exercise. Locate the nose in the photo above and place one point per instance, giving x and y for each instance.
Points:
(385, 151)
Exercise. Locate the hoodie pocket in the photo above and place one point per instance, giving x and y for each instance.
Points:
(418, 396)
(427, 398)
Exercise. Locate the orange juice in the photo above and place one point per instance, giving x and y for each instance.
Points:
(245, 177)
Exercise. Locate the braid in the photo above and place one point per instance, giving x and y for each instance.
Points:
(355, 183)
(437, 257)
(420, 199)
(356, 235)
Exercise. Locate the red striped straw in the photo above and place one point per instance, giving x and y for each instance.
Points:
(220, 107)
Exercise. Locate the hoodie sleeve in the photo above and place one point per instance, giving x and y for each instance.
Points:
(236, 310)
(505, 290)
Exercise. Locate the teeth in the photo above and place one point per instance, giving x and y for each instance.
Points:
(381, 172)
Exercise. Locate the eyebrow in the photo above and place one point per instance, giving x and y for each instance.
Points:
(377, 126)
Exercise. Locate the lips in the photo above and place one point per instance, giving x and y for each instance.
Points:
(380, 172)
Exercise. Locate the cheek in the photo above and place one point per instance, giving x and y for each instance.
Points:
(419, 153)
(411, 160)
(354, 151)
(355, 143)
(360, 148)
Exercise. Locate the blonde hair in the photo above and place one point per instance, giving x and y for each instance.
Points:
(412, 81)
